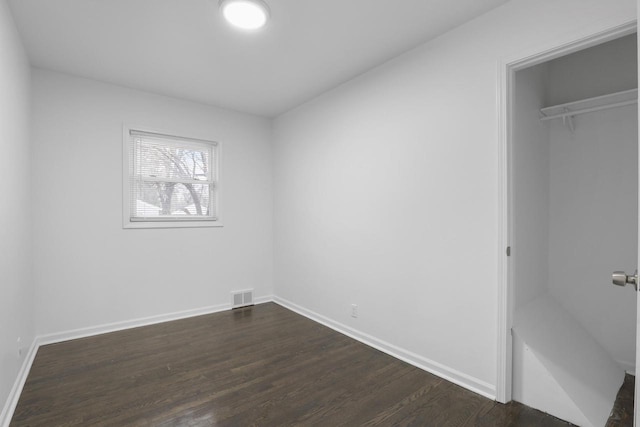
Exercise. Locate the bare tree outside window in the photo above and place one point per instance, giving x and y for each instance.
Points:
(172, 178)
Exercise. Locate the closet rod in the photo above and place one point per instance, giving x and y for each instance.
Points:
(571, 113)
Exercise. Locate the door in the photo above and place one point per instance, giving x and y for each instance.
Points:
(636, 418)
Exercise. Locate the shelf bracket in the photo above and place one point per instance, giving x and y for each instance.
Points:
(568, 121)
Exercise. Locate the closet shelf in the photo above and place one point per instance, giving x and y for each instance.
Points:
(570, 109)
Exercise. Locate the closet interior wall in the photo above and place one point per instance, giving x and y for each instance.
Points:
(575, 193)
(593, 207)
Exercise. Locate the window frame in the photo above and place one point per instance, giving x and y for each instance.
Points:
(167, 222)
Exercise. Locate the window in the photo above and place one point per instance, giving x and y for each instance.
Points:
(170, 181)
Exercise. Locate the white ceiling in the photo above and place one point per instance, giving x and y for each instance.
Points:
(182, 48)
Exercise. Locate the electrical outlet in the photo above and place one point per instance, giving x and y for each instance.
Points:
(354, 310)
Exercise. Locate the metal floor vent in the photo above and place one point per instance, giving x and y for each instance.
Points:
(242, 298)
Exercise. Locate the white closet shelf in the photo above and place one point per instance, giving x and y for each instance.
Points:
(570, 109)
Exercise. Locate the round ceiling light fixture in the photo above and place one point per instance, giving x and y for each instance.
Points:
(245, 14)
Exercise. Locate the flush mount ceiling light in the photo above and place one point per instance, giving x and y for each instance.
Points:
(245, 14)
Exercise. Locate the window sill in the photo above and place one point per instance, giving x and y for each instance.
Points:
(171, 224)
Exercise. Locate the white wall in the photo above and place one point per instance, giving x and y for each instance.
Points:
(570, 349)
(16, 300)
(575, 195)
(90, 271)
(593, 224)
(530, 180)
(387, 186)
(594, 192)
(600, 70)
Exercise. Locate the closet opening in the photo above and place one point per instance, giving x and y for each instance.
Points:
(573, 220)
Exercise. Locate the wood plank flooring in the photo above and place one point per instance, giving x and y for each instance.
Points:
(259, 366)
(622, 413)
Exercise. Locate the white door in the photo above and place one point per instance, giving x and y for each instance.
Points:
(636, 416)
(636, 419)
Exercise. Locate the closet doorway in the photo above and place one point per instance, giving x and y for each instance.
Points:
(573, 220)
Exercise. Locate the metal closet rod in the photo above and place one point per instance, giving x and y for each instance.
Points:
(571, 113)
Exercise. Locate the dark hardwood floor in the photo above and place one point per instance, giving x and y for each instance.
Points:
(259, 366)
(622, 413)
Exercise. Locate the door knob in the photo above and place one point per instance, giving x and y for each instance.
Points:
(620, 278)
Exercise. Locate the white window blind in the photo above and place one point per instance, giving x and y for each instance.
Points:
(171, 178)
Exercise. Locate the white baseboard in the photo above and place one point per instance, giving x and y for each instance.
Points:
(18, 385)
(128, 324)
(629, 367)
(467, 381)
(262, 300)
(135, 323)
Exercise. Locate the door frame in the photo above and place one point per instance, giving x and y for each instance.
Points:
(506, 238)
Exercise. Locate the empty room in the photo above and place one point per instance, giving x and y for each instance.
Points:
(318, 212)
